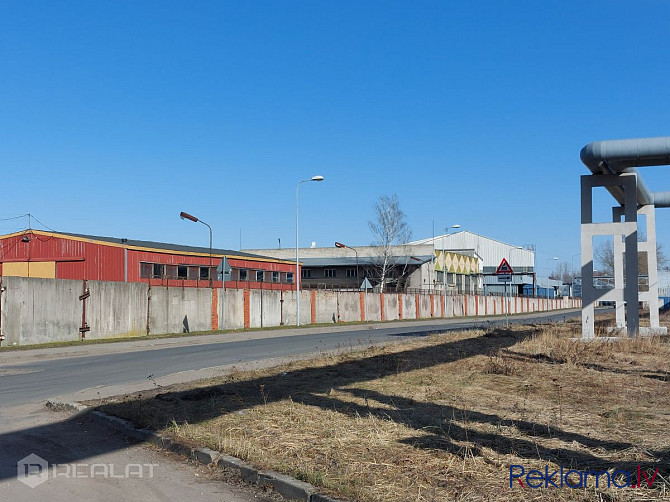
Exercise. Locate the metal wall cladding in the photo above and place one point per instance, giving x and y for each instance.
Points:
(80, 259)
(75, 259)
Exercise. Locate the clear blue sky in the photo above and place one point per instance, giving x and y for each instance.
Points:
(116, 115)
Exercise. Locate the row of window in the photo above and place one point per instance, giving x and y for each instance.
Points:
(306, 273)
(184, 272)
(197, 272)
(242, 274)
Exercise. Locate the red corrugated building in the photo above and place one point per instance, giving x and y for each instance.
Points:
(57, 255)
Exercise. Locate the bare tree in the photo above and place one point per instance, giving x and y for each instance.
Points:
(389, 229)
(603, 255)
(563, 272)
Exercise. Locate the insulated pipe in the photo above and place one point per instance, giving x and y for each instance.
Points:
(619, 156)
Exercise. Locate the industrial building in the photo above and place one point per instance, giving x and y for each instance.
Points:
(488, 253)
(411, 267)
(57, 255)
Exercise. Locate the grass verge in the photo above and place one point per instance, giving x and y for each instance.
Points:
(440, 418)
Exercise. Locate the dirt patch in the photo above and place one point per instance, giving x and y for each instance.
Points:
(441, 418)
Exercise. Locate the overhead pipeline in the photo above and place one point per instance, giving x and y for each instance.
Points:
(625, 155)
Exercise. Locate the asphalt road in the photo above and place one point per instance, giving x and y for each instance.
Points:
(29, 380)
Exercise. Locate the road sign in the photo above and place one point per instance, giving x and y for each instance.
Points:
(504, 271)
(504, 268)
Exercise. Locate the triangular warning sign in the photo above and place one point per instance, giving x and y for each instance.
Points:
(504, 268)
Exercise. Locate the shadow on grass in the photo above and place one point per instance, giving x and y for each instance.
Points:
(446, 425)
(449, 425)
(663, 376)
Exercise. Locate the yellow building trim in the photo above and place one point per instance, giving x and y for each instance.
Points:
(40, 269)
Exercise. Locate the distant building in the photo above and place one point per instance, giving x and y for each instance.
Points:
(58, 255)
(411, 267)
(489, 253)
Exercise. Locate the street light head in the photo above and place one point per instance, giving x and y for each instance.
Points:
(186, 216)
(456, 226)
(340, 245)
(317, 178)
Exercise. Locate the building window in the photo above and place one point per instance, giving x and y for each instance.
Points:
(204, 272)
(158, 270)
(182, 272)
(306, 273)
(351, 272)
(259, 275)
(329, 272)
(145, 270)
(243, 274)
(289, 277)
(275, 276)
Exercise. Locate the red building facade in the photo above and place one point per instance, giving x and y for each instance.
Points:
(36, 253)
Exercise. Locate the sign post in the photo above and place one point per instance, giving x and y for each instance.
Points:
(504, 273)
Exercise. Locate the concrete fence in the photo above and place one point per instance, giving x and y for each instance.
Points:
(49, 310)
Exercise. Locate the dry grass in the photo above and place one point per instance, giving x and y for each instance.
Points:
(440, 418)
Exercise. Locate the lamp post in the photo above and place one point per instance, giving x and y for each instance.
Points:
(297, 257)
(340, 245)
(186, 216)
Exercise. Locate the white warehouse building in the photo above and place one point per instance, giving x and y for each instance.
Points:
(490, 253)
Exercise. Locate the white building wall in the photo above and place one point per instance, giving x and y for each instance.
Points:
(489, 250)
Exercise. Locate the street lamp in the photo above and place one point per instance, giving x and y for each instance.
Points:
(555, 258)
(297, 261)
(340, 245)
(186, 216)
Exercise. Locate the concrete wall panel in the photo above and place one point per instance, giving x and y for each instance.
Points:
(373, 312)
(409, 306)
(424, 306)
(290, 307)
(326, 306)
(116, 311)
(391, 312)
(40, 310)
(264, 308)
(179, 310)
(350, 306)
(234, 309)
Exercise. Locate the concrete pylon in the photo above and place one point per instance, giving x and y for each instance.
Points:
(648, 246)
(624, 291)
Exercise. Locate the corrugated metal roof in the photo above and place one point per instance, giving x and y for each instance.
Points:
(490, 250)
(158, 246)
(165, 246)
(363, 260)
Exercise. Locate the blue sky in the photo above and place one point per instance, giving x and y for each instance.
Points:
(117, 115)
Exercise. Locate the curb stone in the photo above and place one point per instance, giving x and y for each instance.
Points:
(287, 486)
